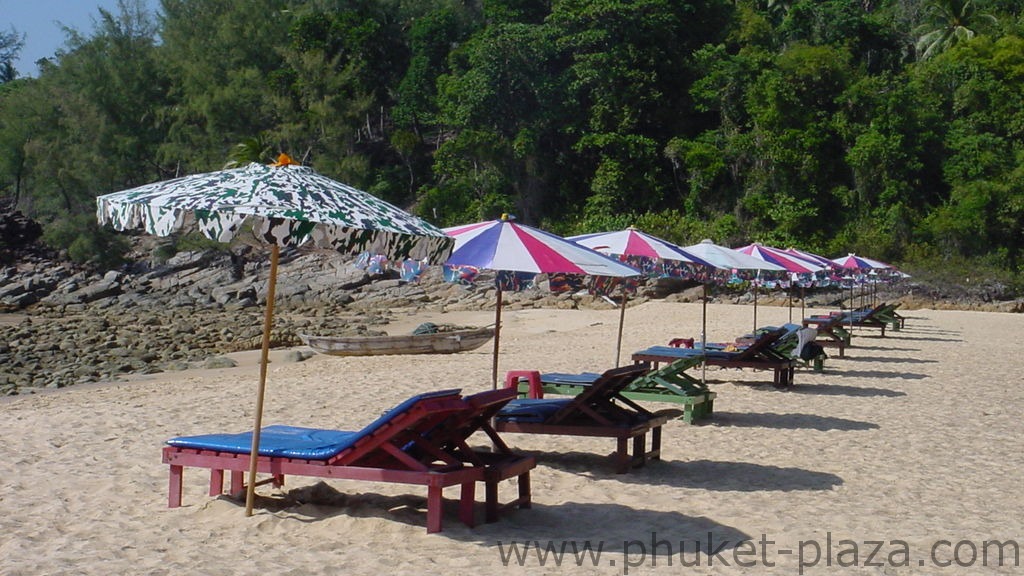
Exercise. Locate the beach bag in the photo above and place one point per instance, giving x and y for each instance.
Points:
(811, 350)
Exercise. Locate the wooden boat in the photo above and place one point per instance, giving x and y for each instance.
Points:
(432, 343)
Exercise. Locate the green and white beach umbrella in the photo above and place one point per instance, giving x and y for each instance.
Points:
(284, 205)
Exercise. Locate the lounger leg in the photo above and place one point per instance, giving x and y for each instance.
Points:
(491, 500)
(656, 443)
(434, 509)
(216, 482)
(640, 450)
(174, 487)
(237, 482)
(622, 459)
(525, 492)
(467, 503)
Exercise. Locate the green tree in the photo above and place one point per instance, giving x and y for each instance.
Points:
(224, 58)
(502, 102)
(10, 46)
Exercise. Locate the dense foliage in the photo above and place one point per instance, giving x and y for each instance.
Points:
(887, 127)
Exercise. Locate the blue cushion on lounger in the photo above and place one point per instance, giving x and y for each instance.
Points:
(296, 442)
(673, 352)
(562, 378)
(531, 409)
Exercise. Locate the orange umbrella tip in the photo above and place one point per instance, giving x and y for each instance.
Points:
(284, 160)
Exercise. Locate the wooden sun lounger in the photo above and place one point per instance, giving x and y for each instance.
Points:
(397, 448)
(668, 384)
(758, 355)
(599, 410)
(831, 331)
(837, 326)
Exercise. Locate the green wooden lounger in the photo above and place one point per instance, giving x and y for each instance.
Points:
(668, 384)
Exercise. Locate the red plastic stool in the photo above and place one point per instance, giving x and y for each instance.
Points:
(532, 377)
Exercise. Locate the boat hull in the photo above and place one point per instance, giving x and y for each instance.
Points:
(435, 343)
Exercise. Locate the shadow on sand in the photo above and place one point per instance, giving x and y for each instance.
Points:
(791, 421)
(612, 526)
(699, 474)
(898, 359)
(876, 374)
(843, 390)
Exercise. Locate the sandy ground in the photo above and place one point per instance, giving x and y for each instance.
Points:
(903, 458)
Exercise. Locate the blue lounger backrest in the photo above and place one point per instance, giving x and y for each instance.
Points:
(531, 409)
(297, 442)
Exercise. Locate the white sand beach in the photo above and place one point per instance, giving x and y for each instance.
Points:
(902, 458)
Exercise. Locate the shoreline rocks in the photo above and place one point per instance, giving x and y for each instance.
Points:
(75, 326)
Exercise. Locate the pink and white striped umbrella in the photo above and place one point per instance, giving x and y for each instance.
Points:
(633, 242)
(811, 257)
(790, 262)
(506, 245)
(503, 245)
(853, 262)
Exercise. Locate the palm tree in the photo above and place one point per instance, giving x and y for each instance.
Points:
(255, 149)
(948, 22)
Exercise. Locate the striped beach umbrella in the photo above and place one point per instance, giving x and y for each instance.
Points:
(791, 262)
(811, 257)
(506, 246)
(633, 242)
(281, 205)
(854, 262)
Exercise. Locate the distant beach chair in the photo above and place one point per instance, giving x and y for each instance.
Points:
(599, 410)
(832, 331)
(421, 442)
(838, 325)
(758, 354)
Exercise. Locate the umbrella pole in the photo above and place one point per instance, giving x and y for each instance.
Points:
(250, 494)
(497, 336)
(791, 303)
(754, 331)
(622, 318)
(803, 300)
(704, 335)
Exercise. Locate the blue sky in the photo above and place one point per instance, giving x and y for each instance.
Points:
(40, 22)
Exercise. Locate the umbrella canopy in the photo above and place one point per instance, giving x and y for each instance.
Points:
(284, 205)
(506, 246)
(728, 258)
(792, 263)
(854, 262)
(633, 242)
(811, 257)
